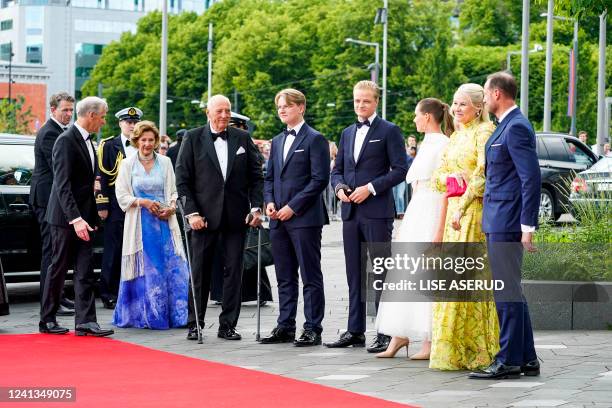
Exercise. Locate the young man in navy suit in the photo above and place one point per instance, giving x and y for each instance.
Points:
(510, 215)
(296, 177)
(371, 160)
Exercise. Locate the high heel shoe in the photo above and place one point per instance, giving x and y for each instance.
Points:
(419, 356)
(396, 344)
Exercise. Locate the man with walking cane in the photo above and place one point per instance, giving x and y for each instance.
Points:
(218, 171)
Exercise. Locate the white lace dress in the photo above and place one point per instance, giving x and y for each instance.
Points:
(413, 319)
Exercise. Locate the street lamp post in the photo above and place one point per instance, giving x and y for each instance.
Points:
(376, 67)
(548, 75)
(525, 61)
(382, 18)
(601, 85)
(209, 48)
(163, 86)
(536, 48)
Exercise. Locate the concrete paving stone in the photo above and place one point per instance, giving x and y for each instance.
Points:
(539, 403)
(516, 384)
(601, 396)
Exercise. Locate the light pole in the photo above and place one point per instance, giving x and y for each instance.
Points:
(525, 61)
(536, 48)
(163, 86)
(548, 75)
(601, 85)
(573, 69)
(209, 48)
(381, 18)
(374, 69)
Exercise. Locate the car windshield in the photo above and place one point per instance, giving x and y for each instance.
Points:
(602, 165)
(16, 164)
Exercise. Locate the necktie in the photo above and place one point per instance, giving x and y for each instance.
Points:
(65, 128)
(290, 132)
(364, 123)
(222, 135)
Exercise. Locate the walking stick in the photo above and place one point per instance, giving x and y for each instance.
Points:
(195, 303)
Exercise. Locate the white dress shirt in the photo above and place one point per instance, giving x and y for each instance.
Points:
(359, 139)
(524, 228)
(290, 139)
(129, 150)
(221, 149)
(64, 127)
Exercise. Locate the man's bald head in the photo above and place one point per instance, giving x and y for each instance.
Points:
(219, 112)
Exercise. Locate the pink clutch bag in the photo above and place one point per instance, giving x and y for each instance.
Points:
(453, 189)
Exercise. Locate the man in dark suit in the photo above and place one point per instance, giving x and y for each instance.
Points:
(510, 215)
(72, 217)
(371, 160)
(296, 177)
(62, 108)
(173, 151)
(110, 154)
(219, 173)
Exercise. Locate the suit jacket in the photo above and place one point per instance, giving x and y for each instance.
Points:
(106, 198)
(72, 194)
(512, 187)
(42, 179)
(200, 181)
(300, 180)
(173, 152)
(382, 162)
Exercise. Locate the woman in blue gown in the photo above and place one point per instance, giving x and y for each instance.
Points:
(154, 275)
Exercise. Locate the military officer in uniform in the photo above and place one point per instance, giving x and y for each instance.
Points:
(110, 153)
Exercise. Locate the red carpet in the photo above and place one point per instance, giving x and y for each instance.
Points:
(112, 373)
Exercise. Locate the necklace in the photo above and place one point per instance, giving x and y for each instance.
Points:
(146, 159)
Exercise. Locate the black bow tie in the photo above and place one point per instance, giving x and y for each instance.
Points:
(289, 132)
(64, 128)
(364, 123)
(222, 135)
(127, 143)
(496, 121)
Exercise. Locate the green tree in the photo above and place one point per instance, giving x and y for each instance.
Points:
(14, 118)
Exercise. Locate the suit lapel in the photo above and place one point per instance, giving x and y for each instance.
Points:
(367, 137)
(209, 148)
(299, 138)
(351, 145)
(500, 129)
(279, 150)
(232, 148)
(83, 148)
(121, 146)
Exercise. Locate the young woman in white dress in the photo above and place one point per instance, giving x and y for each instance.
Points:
(423, 222)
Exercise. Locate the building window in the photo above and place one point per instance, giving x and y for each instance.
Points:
(5, 51)
(86, 57)
(34, 26)
(34, 54)
(6, 25)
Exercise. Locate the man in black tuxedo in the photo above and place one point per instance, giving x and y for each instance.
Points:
(296, 177)
(110, 154)
(371, 160)
(72, 216)
(219, 173)
(62, 108)
(173, 151)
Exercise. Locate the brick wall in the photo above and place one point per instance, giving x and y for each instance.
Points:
(35, 98)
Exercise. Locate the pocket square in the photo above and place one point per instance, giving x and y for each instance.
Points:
(496, 144)
(240, 150)
(299, 151)
(375, 140)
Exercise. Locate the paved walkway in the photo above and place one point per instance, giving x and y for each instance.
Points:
(576, 371)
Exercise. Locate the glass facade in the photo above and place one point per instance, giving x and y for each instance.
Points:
(5, 51)
(86, 55)
(103, 26)
(6, 25)
(35, 22)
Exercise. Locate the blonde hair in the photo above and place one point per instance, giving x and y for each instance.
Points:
(333, 150)
(475, 94)
(368, 85)
(292, 97)
(142, 127)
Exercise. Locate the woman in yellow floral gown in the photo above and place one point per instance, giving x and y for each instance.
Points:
(465, 335)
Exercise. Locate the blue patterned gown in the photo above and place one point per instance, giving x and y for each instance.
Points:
(157, 300)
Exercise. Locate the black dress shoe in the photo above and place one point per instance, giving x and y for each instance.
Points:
(229, 334)
(308, 338)
(92, 329)
(192, 333)
(51, 328)
(64, 311)
(279, 335)
(531, 369)
(109, 303)
(67, 303)
(348, 339)
(497, 370)
(380, 344)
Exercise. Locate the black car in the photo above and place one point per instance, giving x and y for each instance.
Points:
(20, 247)
(561, 156)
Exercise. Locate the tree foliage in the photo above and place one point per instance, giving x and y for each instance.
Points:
(14, 118)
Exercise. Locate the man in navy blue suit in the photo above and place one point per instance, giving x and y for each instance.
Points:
(510, 217)
(371, 160)
(296, 176)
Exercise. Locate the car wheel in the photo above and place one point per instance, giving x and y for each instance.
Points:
(547, 206)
